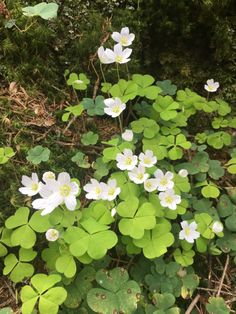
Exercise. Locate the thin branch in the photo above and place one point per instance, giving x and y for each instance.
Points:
(192, 304)
(223, 276)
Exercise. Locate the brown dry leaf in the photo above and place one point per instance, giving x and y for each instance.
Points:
(13, 88)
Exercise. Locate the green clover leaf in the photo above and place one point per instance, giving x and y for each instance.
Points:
(81, 160)
(217, 305)
(75, 110)
(166, 106)
(94, 107)
(163, 304)
(204, 222)
(79, 288)
(145, 88)
(89, 138)
(148, 127)
(43, 293)
(135, 219)
(45, 10)
(167, 87)
(38, 154)
(94, 239)
(125, 90)
(5, 154)
(119, 294)
(18, 268)
(23, 233)
(78, 82)
(231, 166)
(184, 258)
(223, 108)
(155, 242)
(66, 265)
(219, 139)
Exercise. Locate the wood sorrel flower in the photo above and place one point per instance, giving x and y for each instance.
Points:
(217, 227)
(111, 190)
(189, 232)
(169, 199)
(52, 235)
(119, 55)
(103, 57)
(164, 181)
(32, 186)
(114, 107)
(138, 175)
(57, 192)
(95, 189)
(183, 173)
(126, 160)
(147, 159)
(124, 38)
(211, 86)
(150, 185)
(127, 135)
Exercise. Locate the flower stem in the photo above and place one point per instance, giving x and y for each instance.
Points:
(103, 75)
(120, 124)
(117, 71)
(127, 70)
(208, 94)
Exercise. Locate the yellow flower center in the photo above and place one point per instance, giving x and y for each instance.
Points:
(34, 186)
(128, 161)
(147, 161)
(210, 87)
(65, 190)
(169, 199)
(98, 190)
(54, 233)
(140, 176)
(50, 176)
(111, 191)
(119, 59)
(149, 185)
(123, 40)
(163, 181)
(116, 109)
(187, 231)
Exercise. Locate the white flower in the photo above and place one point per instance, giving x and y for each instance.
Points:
(211, 86)
(147, 159)
(164, 180)
(119, 55)
(49, 175)
(124, 37)
(95, 190)
(217, 227)
(32, 186)
(169, 199)
(114, 107)
(111, 190)
(150, 185)
(127, 135)
(102, 55)
(57, 192)
(113, 211)
(126, 160)
(183, 173)
(52, 235)
(138, 175)
(189, 232)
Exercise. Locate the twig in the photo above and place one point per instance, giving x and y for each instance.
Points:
(226, 276)
(192, 304)
(223, 276)
(215, 290)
